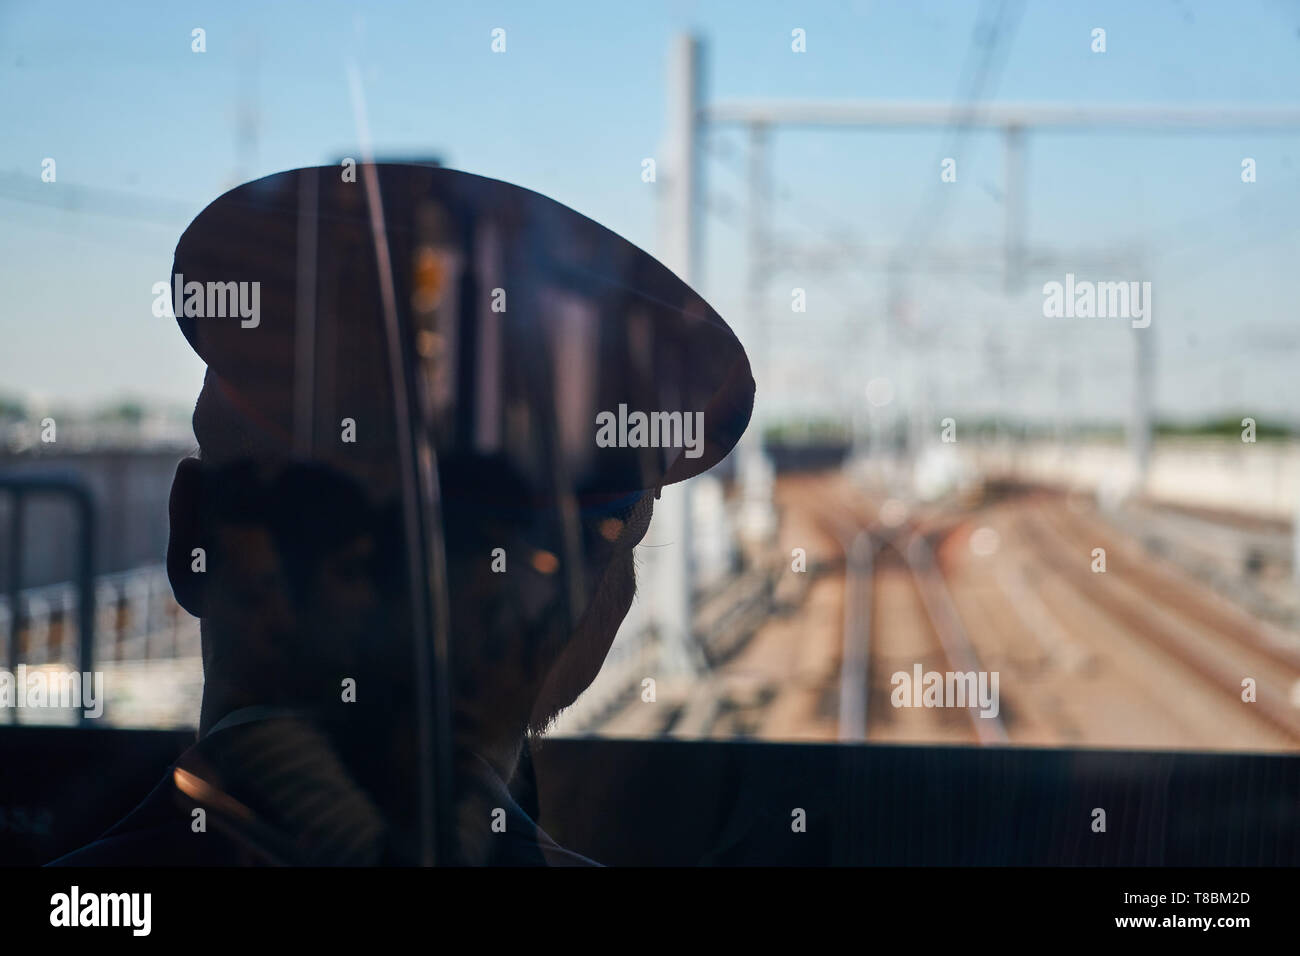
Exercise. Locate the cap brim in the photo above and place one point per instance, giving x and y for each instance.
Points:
(503, 289)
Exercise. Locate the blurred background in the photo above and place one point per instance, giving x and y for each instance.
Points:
(874, 195)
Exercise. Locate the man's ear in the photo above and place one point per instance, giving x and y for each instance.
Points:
(187, 571)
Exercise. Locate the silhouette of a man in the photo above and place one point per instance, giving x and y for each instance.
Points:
(400, 508)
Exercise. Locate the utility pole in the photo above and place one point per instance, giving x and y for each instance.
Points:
(671, 566)
(1143, 384)
(1013, 199)
(1140, 430)
(757, 520)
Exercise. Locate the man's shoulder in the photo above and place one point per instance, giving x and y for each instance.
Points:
(158, 832)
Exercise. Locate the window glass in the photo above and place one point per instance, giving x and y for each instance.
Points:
(418, 454)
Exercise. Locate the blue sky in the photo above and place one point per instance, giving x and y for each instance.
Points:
(115, 95)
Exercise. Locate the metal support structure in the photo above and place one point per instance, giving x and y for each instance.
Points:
(757, 516)
(673, 609)
(759, 188)
(1013, 201)
(21, 489)
(17, 508)
(956, 260)
(1143, 385)
(1014, 121)
(683, 204)
(892, 114)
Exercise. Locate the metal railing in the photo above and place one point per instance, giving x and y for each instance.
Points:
(135, 619)
(20, 489)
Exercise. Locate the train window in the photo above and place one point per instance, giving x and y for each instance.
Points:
(593, 501)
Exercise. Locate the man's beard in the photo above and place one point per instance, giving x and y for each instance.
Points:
(579, 661)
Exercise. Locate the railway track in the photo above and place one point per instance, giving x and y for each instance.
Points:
(1192, 626)
(1138, 657)
(898, 614)
(1142, 656)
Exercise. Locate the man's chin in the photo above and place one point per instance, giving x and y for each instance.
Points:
(539, 728)
(582, 658)
(564, 685)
